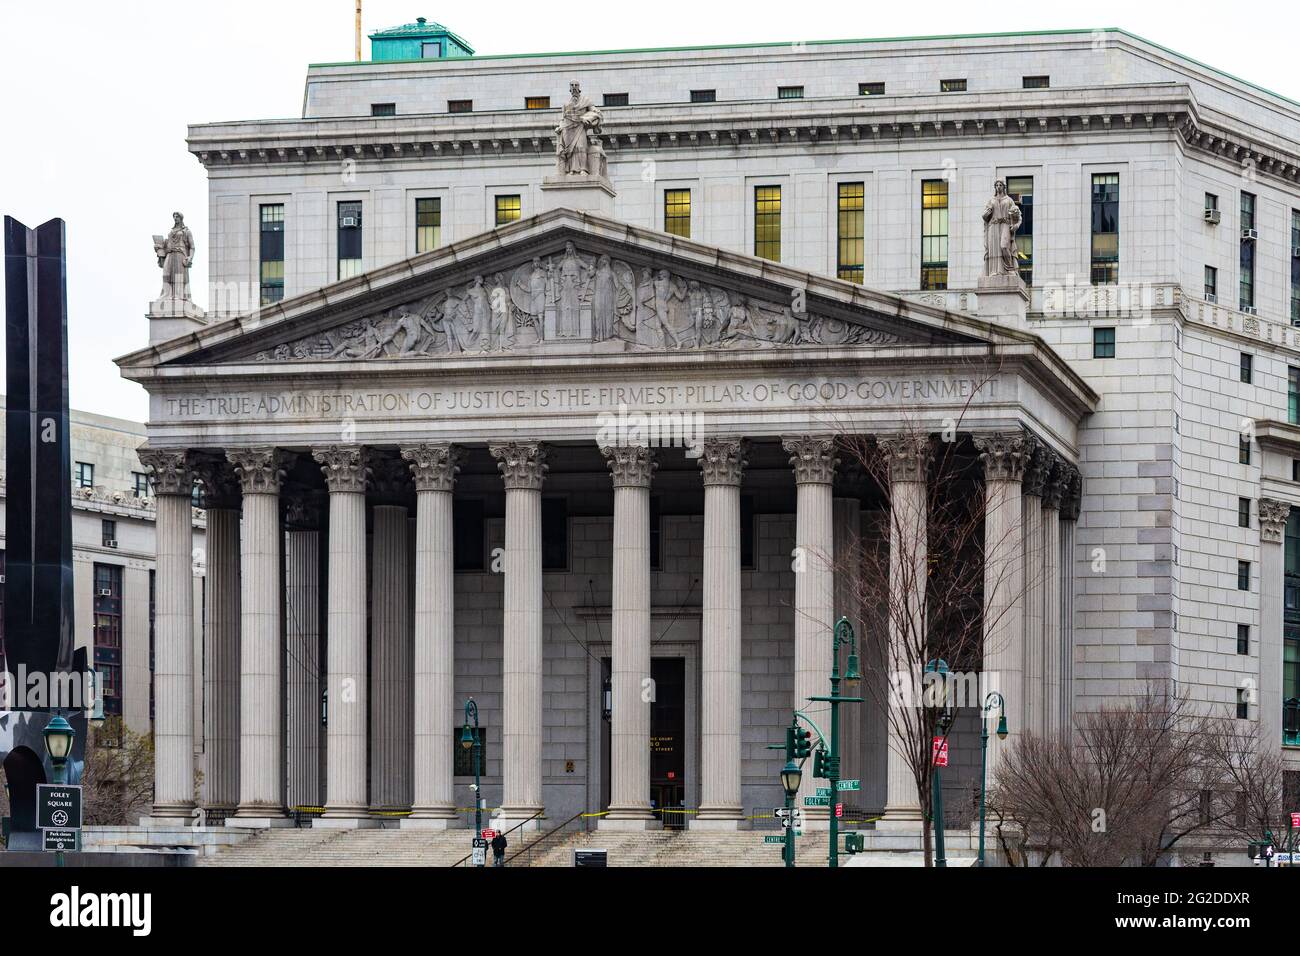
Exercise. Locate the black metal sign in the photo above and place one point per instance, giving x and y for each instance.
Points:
(58, 806)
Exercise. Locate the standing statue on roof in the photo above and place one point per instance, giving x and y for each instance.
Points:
(580, 120)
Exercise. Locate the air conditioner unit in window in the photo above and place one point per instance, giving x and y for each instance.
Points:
(1213, 216)
(110, 543)
(1249, 234)
(1295, 252)
(2, 579)
(348, 222)
(1211, 297)
(1250, 310)
(105, 592)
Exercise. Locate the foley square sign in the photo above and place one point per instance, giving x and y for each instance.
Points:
(58, 806)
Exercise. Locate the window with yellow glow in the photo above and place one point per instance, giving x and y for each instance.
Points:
(934, 234)
(677, 212)
(767, 222)
(849, 232)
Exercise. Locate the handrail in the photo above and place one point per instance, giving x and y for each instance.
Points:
(545, 836)
(517, 826)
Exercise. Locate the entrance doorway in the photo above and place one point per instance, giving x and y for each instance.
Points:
(668, 743)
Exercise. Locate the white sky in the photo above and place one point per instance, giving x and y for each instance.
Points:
(104, 145)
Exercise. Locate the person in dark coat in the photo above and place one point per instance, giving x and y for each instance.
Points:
(499, 844)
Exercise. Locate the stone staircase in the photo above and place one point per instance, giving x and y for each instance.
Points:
(655, 848)
(330, 847)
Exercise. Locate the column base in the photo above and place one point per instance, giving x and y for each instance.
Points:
(172, 811)
(630, 820)
(431, 823)
(349, 819)
(252, 822)
(259, 811)
(901, 820)
(719, 822)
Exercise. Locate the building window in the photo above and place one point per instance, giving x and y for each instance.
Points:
(508, 209)
(1295, 469)
(1247, 367)
(704, 96)
(1293, 394)
(1243, 512)
(1105, 228)
(1211, 284)
(1103, 343)
(1246, 293)
(615, 99)
(467, 529)
(271, 252)
(555, 534)
(196, 496)
(108, 532)
(460, 106)
(537, 102)
(383, 109)
(1290, 682)
(1243, 450)
(83, 475)
(1243, 705)
(871, 89)
(107, 610)
(767, 222)
(1243, 638)
(934, 234)
(1021, 191)
(1243, 575)
(463, 761)
(1211, 202)
(677, 212)
(850, 232)
(952, 86)
(428, 224)
(1295, 266)
(789, 92)
(349, 239)
(140, 484)
(430, 50)
(1035, 82)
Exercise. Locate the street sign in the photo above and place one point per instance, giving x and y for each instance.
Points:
(480, 851)
(939, 751)
(60, 840)
(781, 812)
(816, 801)
(1295, 821)
(823, 791)
(839, 809)
(591, 858)
(770, 838)
(58, 806)
(489, 834)
(849, 785)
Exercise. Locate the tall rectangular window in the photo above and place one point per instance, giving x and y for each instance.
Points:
(1243, 450)
(555, 534)
(1243, 512)
(748, 532)
(767, 222)
(934, 234)
(1243, 575)
(677, 212)
(108, 532)
(850, 232)
(1243, 638)
(1246, 288)
(1295, 266)
(1211, 284)
(508, 209)
(1021, 191)
(1103, 342)
(140, 484)
(107, 609)
(1243, 704)
(428, 224)
(1293, 395)
(656, 534)
(1105, 228)
(1247, 368)
(271, 252)
(467, 532)
(349, 239)
(83, 474)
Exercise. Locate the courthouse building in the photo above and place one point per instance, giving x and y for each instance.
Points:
(443, 297)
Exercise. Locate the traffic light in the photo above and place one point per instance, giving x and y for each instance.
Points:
(825, 767)
(789, 743)
(802, 743)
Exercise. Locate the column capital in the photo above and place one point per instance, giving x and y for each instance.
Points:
(723, 461)
(1038, 468)
(1073, 497)
(345, 467)
(1272, 519)
(812, 457)
(1058, 483)
(170, 469)
(390, 480)
(220, 483)
(522, 463)
(907, 456)
(632, 466)
(434, 465)
(260, 468)
(1005, 454)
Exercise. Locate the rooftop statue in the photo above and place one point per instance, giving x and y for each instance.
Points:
(175, 253)
(580, 120)
(1001, 220)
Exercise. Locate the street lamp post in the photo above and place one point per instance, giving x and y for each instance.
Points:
(791, 776)
(993, 699)
(470, 739)
(944, 724)
(58, 736)
(830, 765)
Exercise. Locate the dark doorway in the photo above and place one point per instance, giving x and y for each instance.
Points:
(23, 771)
(668, 741)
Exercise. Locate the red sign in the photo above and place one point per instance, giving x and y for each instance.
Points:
(839, 809)
(489, 834)
(1295, 821)
(939, 751)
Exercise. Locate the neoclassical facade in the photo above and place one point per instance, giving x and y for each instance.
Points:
(473, 422)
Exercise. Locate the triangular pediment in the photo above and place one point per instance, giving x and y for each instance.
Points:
(567, 283)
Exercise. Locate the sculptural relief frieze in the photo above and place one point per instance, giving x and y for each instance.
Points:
(571, 297)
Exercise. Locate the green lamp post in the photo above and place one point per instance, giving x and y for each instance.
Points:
(943, 724)
(58, 736)
(469, 739)
(791, 777)
(993, 699)
(828, 764)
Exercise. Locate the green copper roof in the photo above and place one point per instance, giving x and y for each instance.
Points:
(420, 29)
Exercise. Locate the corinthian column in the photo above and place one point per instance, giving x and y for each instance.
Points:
(1004, 456)
(173, 634)
(221, 635)
(302, 650)
(523, 468)
(1054, 665)
(434, 467)
(1038, 465)
(1272, 568)
(813, 459)
(261, 780)
(908, 459)
(723, 464)
(629, 808)
(347, 698)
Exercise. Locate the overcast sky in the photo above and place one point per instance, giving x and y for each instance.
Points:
(95, 99)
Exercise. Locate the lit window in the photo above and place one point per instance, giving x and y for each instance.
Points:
(952, 86)
(509, 209)
(383, 109)
(1021, 191)
(428, 224)
(704, 96)
(934, 234)
(616, 99)
(1035, 82)
(871, 89)
(537, 102)
(271, 251)
(677, 212)
(1105, 228)
(460, 106)
(767, 222)
(349, 239)
(849, 232)
(789, 92)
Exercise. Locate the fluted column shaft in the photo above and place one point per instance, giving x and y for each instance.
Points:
(302, 663)
(173, 635)
(1273, 516)
(848, 570)
(261, 779)
(221, 670)
(391, 738)
(1034, 687)
(523, 468)
(434, 467)
(1070, 504)
(347, 697)
(1053, 609)
(723, 463)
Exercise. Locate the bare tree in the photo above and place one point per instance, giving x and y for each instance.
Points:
(118, 774)
(1247, 780)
